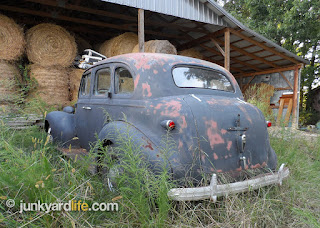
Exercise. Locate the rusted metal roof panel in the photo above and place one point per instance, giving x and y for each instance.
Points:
(188, 9)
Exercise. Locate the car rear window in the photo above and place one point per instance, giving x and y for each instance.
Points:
(194, 77)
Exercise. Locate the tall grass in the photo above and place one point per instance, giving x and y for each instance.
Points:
(32, 169)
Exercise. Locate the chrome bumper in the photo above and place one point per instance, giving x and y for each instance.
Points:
(215, 190)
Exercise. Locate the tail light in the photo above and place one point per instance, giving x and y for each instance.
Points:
(269, 124)
(168, 124)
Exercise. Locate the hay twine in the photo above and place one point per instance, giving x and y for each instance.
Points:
(12, 41)
(192, 53)
(75, 78)
(157, 46)
(53, 84)
(119, 45)
(49, 45)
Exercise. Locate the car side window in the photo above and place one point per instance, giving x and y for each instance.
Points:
(85, 85)
(123, 81)
(103, 81)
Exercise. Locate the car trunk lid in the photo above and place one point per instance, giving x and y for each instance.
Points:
(232, 135)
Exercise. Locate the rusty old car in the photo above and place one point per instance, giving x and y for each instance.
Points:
(198, 102)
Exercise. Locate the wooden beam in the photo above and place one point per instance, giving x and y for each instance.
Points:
(109, 14)
(277, 70)
(233, 59)
(295, 96)
(287, 81)
(246, 64)
(218, 46)
(283, 88)
(239, 34)
(227, 49)
(200, 40)
(242, 51)
(141, 29)
(84, 21)
(218, 53)
(85, 30)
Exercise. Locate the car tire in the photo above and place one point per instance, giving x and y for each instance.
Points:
(108, 174)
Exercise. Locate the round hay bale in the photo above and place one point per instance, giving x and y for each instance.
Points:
(191, 53)
(157, 46)
(9, 74)
(53, 85)
(49, 45)
(75, 78)
(82, 44)
(119, 45)
(12, 41)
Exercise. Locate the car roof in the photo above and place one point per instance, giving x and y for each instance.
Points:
(138, 60)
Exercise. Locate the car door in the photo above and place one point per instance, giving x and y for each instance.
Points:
(100, 101)
(124, 107)
(83, 110)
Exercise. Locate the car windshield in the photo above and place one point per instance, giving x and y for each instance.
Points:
(194, 77)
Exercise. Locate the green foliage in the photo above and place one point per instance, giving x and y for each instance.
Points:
(25, 83)
(308, 117)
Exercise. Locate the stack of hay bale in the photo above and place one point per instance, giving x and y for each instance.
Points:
(128, 43)
(119, 45)
(157, 46)
(52, 50)
(12, 45)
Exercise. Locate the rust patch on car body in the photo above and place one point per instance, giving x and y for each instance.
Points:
(213, 137)
(171, 108)
(146, 90)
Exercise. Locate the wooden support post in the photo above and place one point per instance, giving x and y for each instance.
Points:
(141, 29)
(227, 49)
(218, 46)
(295, 97)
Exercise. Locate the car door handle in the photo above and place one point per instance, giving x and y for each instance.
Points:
(86, 108)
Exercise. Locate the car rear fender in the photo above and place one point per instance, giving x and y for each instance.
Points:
(118, 132)
(62, 126)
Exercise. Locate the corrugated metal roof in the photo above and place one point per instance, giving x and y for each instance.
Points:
(187, 9)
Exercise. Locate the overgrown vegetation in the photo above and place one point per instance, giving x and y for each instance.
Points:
(259, 95)
(32, 169)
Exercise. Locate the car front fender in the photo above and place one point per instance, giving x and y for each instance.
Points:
(62, 126)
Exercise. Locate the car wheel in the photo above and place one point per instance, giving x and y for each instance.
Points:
(108, 172)
(110, 176)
